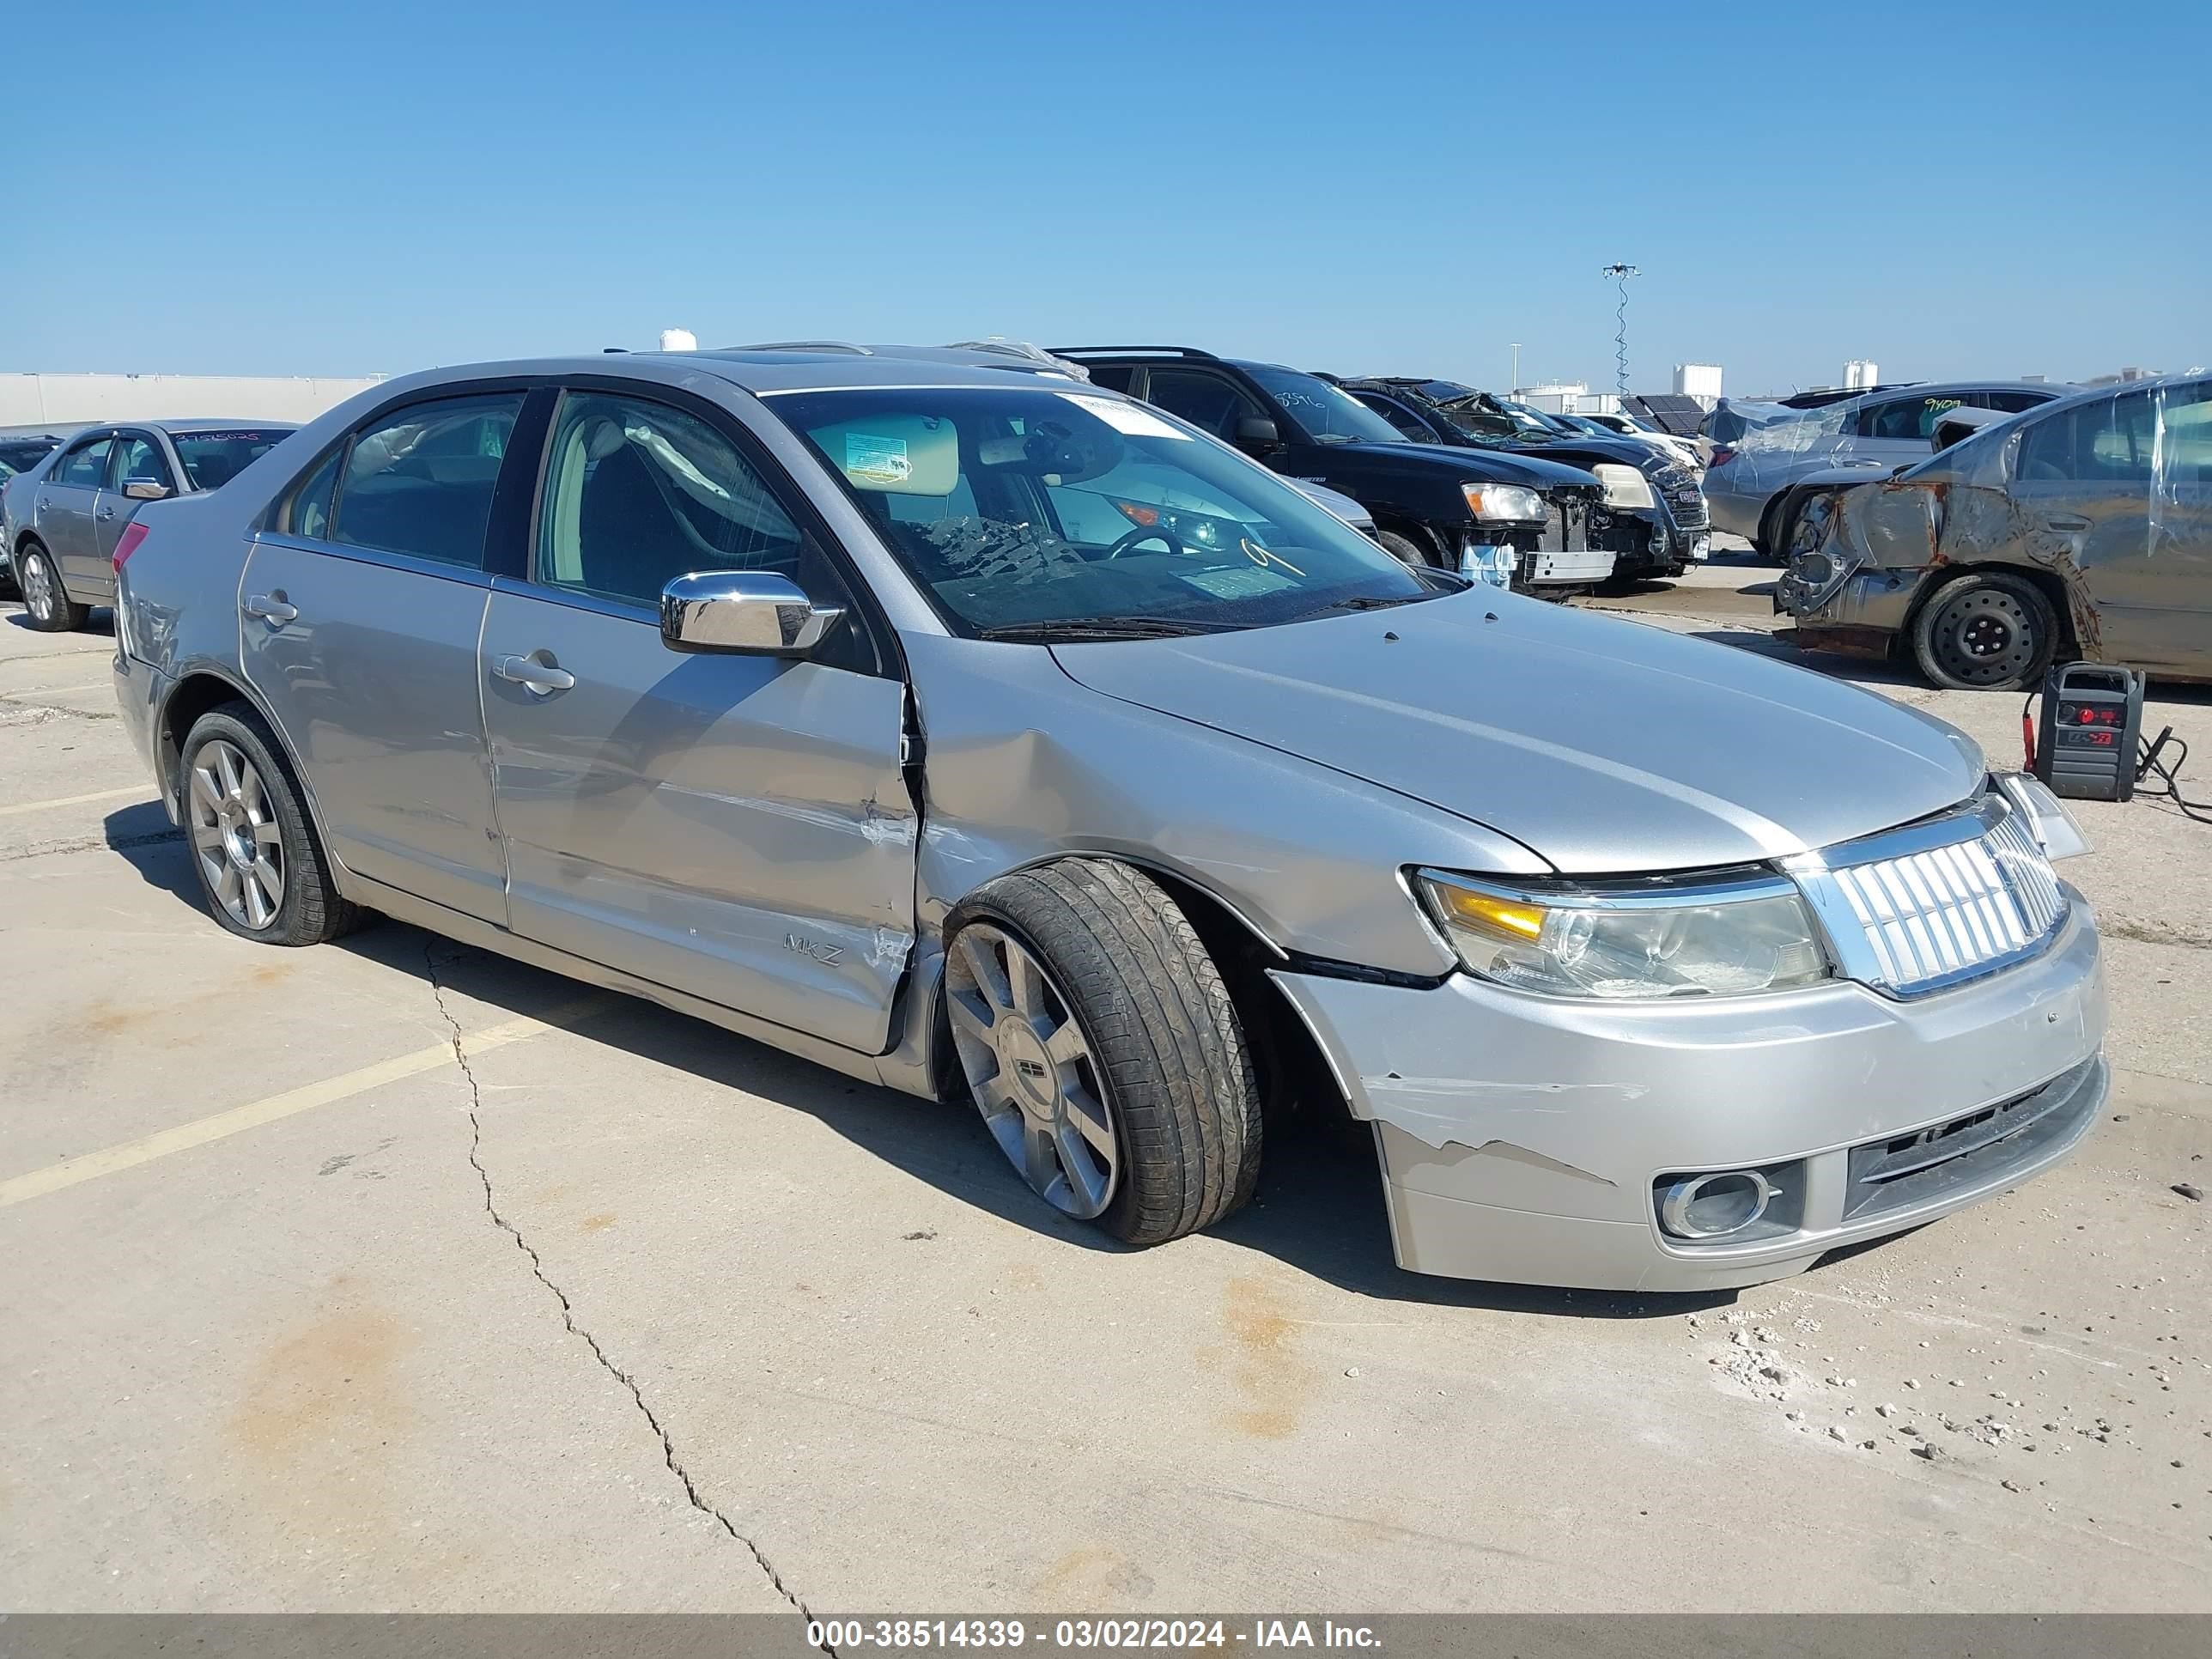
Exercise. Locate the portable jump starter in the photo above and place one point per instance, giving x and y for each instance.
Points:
(2087, 743)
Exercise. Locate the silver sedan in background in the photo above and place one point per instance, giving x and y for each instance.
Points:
(989, 735)
(62, 518)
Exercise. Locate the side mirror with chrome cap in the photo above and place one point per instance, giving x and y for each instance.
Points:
(145, 489)
(752, 612)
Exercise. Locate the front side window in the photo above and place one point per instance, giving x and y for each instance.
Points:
(421, 481)
(1020, 509)
(638, 493)
(140, 458)
(86, 467)
(1329, 414)
(1213, 402)
(1408, 425)
(214, 459)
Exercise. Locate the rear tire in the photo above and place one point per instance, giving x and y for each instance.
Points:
(50, 607)
(1988, 632)
(1130, 1015)
(253, 847)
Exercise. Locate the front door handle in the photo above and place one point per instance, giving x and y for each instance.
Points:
(533, 676)
(274, 611)
(2067, 523)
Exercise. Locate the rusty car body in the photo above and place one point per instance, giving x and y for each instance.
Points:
(2083, 527)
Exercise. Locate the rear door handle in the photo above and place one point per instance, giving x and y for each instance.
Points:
(106, 511)
(275, 612)
(533, 676)
(2067, 523)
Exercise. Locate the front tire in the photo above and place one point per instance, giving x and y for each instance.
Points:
(51, 609)
(253, 847)
(1404, 551)
(1101, 1048)
(1990, 632)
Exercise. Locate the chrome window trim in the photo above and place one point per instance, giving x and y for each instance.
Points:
(472, 575)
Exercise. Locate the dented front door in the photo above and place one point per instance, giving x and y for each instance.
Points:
(734, 827)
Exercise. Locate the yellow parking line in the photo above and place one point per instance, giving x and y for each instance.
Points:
(21, 807)
(131, 1153)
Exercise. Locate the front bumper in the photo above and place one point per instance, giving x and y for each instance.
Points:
(1521, 1136)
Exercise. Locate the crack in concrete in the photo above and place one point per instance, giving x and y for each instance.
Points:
(2154, 933)
(40, 849)
(698, 1502)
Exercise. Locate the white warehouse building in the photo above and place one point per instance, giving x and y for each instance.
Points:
(60, 403)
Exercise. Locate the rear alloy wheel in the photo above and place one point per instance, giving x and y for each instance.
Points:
(1103, 1049)
(51, 610)
(253, 847)
(1987, 633)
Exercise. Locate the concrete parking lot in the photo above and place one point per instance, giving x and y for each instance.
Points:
(390, 1275)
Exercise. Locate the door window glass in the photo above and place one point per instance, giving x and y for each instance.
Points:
(639, 494)
(1118, 377)
(2012, 402)
(1402, 418)
(84, 467)
(139, 458)
(421, 481)
(1208, 401)
(2186, 448)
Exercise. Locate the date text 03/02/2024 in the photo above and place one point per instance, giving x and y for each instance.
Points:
(1162, 1634)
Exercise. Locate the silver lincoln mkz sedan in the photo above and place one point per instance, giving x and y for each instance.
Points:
(974, 730)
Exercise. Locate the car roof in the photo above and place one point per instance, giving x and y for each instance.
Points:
(173, 428)
(827, 364)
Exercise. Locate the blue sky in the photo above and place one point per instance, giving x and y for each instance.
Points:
(1394, 188)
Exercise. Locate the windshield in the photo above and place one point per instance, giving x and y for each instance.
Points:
(1027, 510)
(211, 459)
(1329, 414)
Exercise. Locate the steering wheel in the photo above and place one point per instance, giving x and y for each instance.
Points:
(1147, 533)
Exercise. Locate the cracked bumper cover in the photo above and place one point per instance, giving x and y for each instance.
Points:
(1520, 1136)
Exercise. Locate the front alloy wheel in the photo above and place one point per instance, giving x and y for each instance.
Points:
(235, 835)
(1031, 1071)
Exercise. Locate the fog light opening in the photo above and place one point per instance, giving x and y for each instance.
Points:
(1715, 1205)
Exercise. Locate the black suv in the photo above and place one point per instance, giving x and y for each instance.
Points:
(1656, 528)
(1494, 515)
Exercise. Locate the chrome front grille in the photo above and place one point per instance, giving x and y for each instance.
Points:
(1935, 904)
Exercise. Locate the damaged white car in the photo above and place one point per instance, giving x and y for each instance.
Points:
(983, 733)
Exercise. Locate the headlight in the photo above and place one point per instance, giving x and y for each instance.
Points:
(1498, 500)
(1721, 936)
(1623, 485)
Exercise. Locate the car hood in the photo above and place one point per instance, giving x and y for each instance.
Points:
(1489, 466)
(1605, 746)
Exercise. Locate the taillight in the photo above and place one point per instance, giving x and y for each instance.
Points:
(132, 535)
(1722, 456)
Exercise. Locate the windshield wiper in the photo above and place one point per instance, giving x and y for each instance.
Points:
(1368, 602)
(1103, 628)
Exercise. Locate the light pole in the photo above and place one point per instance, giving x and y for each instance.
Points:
(1621, 274)
(1515, 389)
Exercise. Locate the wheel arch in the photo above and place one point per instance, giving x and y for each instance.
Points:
(203, 687)
(1416, 531)
(2045, 582)
(1282, 1044)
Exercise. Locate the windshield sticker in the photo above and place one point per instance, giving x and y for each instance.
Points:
(1125, 418)
(876, 460)
(1232, 583)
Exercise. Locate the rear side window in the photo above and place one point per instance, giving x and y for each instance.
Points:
(1118, 377)
(2012, 402)
(86, 468)
(420, 482)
